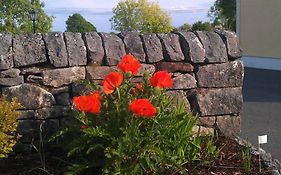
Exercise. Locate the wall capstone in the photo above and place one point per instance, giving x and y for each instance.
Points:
(6, 55)
(171, 47)
(29, 49)
(94, 46)
(114, 48)
(134, 45)
(56, 49)
(76, 49)
(192, 47)
(215, 49)
(152, 47)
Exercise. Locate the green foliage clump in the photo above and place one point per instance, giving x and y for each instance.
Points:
(200, 26)
(197, 26)
(185, 27)
(15, 17)
(8, 125)
(140, 15)
(77, 23)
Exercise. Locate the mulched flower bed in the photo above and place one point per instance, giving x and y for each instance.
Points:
(229, 162)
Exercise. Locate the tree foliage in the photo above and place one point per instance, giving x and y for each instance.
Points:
(200, 26)
(77, 23)
(15, 16)
(140, 15)
(223, 12)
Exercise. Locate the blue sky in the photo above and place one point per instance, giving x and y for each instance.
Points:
(109, 4)
(98, 12)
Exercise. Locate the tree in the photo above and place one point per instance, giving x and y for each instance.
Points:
(15, 16)
(140, 15)
(206, 26)
(223, 13)
(185, 27)
(77, 23)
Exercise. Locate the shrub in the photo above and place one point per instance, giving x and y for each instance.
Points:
(131, 128)
(8, 125)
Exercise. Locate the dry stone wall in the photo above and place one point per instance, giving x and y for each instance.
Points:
(43, 71)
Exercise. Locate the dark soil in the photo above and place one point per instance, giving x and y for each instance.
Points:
(229, 162)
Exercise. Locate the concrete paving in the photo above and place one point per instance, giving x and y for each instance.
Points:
(262, 108)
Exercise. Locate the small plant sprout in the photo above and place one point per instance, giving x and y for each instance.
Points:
(247, 156)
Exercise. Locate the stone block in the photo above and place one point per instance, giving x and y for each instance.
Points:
(29, 49)
(55, 91)
(208, 102)
(99, 72)
(51, 112)
(152, 47)
(63, 99)
(114, 48)
(136, 80)
(30, 70)
(78, 89)
(192, 47)
(232, 44)
(215, 49)
(66, 122)
(10, 77)
(26, 114)
(34, 79)
(203, 131)
(178, 98)
(56, 49)
(10, 73)
(63, 76)
(30, 96)
(134, 45)
(184, 81)
(49, 127)
(174, 67)
(94, 46)
(229, 125)
(226, 125)
(11, 81)
(28, 129)
(76, 49)
(6, 53)
(207, 121)
(22, 148)
(228, 74)
(171, 47)
(149, 68)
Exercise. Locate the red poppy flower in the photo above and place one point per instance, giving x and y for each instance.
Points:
(143, 108)
(161, 79)
(129, 64)
(111, 82)
(90, 103)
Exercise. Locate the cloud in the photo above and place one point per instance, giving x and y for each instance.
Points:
(50, 4)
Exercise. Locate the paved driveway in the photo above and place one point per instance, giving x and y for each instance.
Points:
(262, 108)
